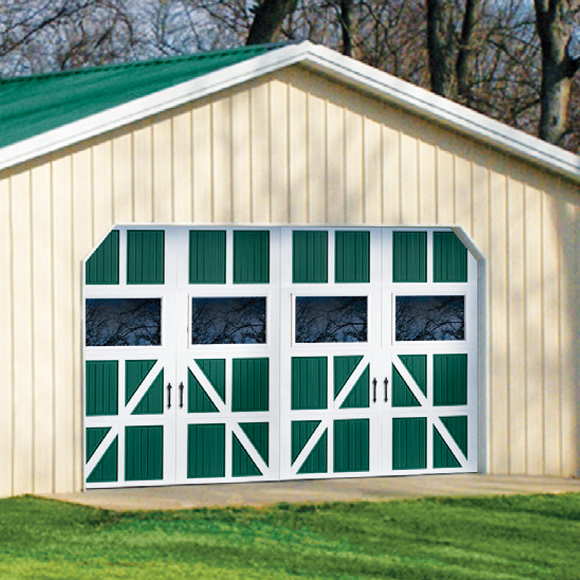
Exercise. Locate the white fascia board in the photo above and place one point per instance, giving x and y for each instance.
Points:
(327, 62)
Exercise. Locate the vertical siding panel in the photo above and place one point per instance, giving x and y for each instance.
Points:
(372, 172)
(260, 146)
(353, 166)
(222, 160)
(335, 161)
(182, 168)
(241, 184)
(533, 345)
(517, 328)
(42, 328)
(143, 175)
(202, 160)
(23, 335)
(298, 157)
(63, 297)
(481, 201)
(6, 342)
(102, 172)
(317, 169)
(427, 185)
(445, 189)
(278, 124)
(498, 398)
(122, 179)
(392, 166)
(409, 181)
(463, 189)
(163, 193)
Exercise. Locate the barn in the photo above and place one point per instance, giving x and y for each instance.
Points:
(276, 262)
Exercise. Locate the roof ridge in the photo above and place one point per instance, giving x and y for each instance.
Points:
(149, 62)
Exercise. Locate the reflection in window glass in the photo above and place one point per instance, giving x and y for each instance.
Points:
(123, 322)
(331, 319)
(228, 320)
(430, 318)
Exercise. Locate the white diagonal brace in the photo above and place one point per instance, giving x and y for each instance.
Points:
(351, 382)
(206, 385)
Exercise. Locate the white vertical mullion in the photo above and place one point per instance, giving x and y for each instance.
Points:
(229, 257)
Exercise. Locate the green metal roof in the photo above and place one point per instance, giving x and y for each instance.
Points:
(32, 105)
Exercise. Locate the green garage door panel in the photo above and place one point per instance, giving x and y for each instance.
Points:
(251, 257)
(103, 266)
(309, 257)
(206, 447)
(359, 396)
(102, 394)
(301, 433)
(258, 434)
(309, 383)
(442, 455)
(242, 463)
(457, 427)
(152, 401)
(135, 373)
(409, 256)
(95, 436)
(352, 257)
(450, 379)
(402, 395)
(198, 401)
(416, 364)
(207, 257)
(317, 460)
(215, 371)
(351, 445)
(250, 380)
(410, 443)
(106, 469)
(143, 453)
(449, 258)
(145, 257)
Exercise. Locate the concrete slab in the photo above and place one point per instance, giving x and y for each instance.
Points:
(316, 491)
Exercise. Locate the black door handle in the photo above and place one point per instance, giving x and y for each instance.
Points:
(169, 395)
(180, 394)
(386, 381)
(374, 390)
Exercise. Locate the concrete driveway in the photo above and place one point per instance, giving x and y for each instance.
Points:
(316, 491)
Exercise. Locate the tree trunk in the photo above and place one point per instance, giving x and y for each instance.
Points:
(268, 19)
(346, 26)
(558, 67)
(464, 63)
(439, 45)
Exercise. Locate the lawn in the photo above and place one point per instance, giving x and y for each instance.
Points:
(453, 538)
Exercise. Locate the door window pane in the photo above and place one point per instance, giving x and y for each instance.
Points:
(331, 319)
(228, 320)
(430, 318)
(123, 322)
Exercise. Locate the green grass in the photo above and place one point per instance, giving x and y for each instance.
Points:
(512, 537)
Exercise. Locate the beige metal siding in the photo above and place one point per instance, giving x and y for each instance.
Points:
(292, 148)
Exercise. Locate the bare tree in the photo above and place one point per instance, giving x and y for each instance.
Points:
(268, 19)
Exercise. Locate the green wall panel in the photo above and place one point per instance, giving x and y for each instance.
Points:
(309, 382)
(103, 265)
(258, 434)
(242, 463)
(442, 455)
(207, 257)
(135, 373)
(145, 257)
(251, 257)
(106, 469)
(359, 397)
(206, 450)
(95, 436)
(409, 256)
(197, 399)
(317, 461)
(352, 257)
(310, 257)
(351, 445)
(250, 382)
(301, 433)
(457, 427)
(343, 367)
(401, 395)
(450, 379)
(410, 443)
(143, 453)
(449, 258)
(416, 364)
(215, 371)
(152, 401)
(102, 388)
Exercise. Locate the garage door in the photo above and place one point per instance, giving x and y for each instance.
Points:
(238, 354)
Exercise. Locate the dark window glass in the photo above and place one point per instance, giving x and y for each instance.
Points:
(430, 318)
(228, 320)
(331, 319)
(123, 322)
